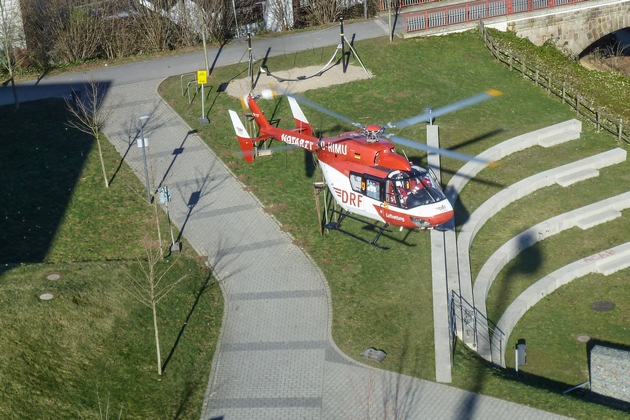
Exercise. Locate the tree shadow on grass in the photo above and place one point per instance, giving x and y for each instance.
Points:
(208, 284)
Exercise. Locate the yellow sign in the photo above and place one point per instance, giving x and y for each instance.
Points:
(202, 78)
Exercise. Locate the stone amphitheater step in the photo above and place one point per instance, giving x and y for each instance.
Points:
(597, 219)
(577, 176)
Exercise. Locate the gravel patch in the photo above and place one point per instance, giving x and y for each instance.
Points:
(334, 76)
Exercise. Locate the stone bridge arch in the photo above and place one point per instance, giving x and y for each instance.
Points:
(574, 28)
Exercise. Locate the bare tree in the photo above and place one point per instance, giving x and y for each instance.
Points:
(219, 19)
(103, 411)
(11, 34)
(152, 286)
(88, 115)
(280, 14)
(324, 11)
(158, 28)
(77, 31)
(123, 33)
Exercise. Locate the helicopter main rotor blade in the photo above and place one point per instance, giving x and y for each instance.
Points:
(464, 103)
(438, 151)
(323, 110)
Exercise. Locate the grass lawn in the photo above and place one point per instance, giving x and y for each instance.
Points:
(383, 298)
(91, 347)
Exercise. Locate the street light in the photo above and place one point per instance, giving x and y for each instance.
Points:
(142, 142)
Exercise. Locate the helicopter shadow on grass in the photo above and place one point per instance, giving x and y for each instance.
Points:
(367, 231)
(527, 263)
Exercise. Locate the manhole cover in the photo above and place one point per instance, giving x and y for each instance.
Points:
(46, 296)
(583, 338)
(602, 306)
(53, 276)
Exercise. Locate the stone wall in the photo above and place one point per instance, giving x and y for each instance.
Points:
(610, 373)
(575, 27)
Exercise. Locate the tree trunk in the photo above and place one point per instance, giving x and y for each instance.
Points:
(15, 94)
(157, 338)
(100, 155)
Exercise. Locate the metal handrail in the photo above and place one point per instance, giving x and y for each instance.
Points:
(181, 80)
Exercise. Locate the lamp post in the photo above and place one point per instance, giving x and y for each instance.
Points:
(143, 143)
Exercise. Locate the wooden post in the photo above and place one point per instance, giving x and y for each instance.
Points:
(317, 188)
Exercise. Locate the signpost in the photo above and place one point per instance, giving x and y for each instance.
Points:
(202, 79)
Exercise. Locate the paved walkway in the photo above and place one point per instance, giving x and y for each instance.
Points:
(276, 358)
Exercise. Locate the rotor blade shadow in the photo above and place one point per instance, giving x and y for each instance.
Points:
(474, 179)
(478, 138)
(310, 163)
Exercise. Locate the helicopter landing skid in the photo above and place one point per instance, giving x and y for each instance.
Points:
(342, 215)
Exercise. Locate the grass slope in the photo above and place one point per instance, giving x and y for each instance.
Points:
(92, 346)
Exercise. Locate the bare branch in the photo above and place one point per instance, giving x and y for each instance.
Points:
(88, 115)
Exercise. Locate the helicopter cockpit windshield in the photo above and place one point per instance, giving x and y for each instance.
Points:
(412, 189)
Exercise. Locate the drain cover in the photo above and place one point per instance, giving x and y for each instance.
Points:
(46, 296)
(602, 306)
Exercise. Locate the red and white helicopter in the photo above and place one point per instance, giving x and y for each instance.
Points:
(361, 168)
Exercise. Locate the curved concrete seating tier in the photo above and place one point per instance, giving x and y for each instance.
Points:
(445, 275)
(545, 137)
(606, 262)
(584, 218)
(522, 188)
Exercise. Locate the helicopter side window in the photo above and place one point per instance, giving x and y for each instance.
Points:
(373, 189)
(355, 183)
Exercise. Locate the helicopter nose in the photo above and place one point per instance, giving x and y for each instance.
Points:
(442, 218)
(431, 222)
